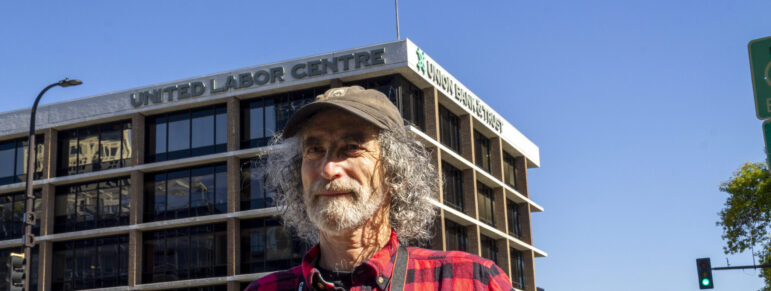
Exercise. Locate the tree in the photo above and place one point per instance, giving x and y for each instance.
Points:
(747, 214)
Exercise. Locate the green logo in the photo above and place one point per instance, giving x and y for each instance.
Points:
(421, 60)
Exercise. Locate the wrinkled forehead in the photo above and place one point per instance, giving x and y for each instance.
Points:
(337, 125)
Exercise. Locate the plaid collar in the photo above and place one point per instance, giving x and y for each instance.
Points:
(375, 271)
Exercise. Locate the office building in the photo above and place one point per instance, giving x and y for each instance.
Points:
(160, 187)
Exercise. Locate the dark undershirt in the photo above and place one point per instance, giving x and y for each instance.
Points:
(340, 279)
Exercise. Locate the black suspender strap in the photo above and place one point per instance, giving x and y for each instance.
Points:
(400, 269)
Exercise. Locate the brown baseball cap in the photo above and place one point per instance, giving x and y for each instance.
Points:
(369, 104)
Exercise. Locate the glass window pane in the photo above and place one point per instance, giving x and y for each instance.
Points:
(21, 161)
(109, 202)
(221, 130)
(203, 131)
(179, 194)
(202, 194)
(88, 147)
(86, 201)
(160, 195)
(72, 161)
(270, 120)
(256, 129)
(179, 135)
(126, 144)
(221, 196)
(7, 162)
(160, 138)
(125, 201)
(111, 141)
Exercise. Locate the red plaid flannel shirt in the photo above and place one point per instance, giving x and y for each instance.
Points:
(426, 270)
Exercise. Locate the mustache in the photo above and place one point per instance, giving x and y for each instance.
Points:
(337, 185)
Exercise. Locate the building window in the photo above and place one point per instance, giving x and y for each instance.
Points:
(513, 217)
(5, 273)
(266, 246)
(187, 133)
(13, 160)
(509, 171)
(449, 129)
(452, 186)
(486, 203)
(482, 151)
(90, 263)
(92, 205)
(517, 269)
(489, 248)
(12, 212)
(254, 194)
(185, 193)
(263, 117)
(185, 253)
(407, 97)
(456, 237)
(94, 148)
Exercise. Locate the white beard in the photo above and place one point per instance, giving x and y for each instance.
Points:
(345, 212)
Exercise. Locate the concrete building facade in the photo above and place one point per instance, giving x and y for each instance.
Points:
(160, 187)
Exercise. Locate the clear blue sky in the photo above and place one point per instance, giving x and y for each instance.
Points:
(640, 108)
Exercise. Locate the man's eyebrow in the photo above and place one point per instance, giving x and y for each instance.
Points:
(356, 136)
(311, 141)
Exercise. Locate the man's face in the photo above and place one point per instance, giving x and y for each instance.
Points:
(341, 171)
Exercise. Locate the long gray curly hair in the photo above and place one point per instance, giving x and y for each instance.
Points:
(409, 176)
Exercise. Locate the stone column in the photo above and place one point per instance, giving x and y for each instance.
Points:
(234, 247)
(234, 123)
(431, 112)
(499, 209)
(524, 223)
(474, 241)
(234, 184)
(470, 193)
(50, 145)
(137, 139)
(135, 258)
(529, 258)
(496, 157)
(45, 265)
(467, 138)
(136, 197)
(47, 208)
(520, 164)
(503, 255)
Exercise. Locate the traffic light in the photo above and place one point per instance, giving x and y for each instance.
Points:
(16, 270)
(704, 268)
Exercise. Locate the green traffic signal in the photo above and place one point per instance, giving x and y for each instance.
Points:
(705, 282)
(704, 270)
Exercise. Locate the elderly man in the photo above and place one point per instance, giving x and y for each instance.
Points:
(351, 181)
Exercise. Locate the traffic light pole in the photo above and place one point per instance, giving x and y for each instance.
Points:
(743, 267)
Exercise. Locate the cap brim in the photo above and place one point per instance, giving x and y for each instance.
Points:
(299, 118)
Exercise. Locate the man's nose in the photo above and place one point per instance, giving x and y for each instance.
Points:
(331, 168)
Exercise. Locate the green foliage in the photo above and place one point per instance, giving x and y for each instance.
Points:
(747, 214)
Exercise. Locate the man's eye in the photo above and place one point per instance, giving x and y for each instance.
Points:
(313, 149)
(352, 147)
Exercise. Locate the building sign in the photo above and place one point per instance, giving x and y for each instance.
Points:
(443, 80)
(278, 74)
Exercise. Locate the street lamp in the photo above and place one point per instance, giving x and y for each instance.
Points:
(27, 240)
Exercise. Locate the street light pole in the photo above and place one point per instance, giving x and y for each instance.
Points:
(28, 240)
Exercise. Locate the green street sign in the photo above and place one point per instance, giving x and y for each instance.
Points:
(767, 138)
(760, 64)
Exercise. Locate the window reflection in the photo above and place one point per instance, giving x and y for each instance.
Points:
(263, 117)
(184, 253)
(11, 213)
(452, 180)
(254, 194)
(184, 193)
(449, 129)
(13, 160)
(94, 148)
(187, 133)
(486, 204)
(267, 246)
(91, 205)
(90, 263)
